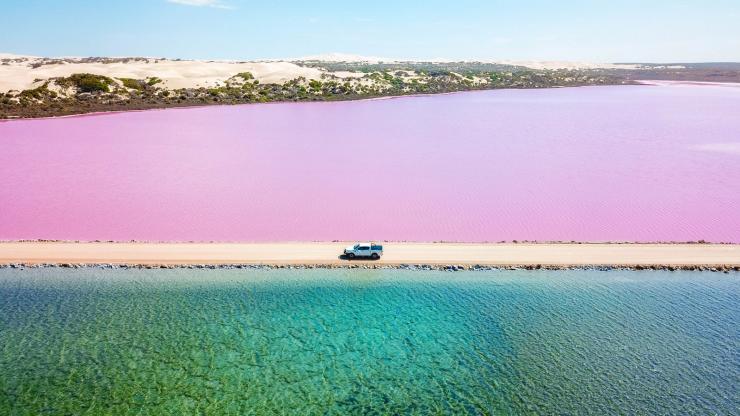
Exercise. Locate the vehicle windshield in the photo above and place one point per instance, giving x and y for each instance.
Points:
(356, 246)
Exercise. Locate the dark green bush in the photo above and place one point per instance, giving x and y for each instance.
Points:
(246, 76)
(88, 82)
(39, 92)
(134, 84)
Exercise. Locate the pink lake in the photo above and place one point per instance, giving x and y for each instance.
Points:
(626, 163)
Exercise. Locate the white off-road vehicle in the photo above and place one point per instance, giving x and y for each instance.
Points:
(364, 250)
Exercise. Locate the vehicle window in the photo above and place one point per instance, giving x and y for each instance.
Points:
(365, 248)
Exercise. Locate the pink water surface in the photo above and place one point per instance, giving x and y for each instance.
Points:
(636, 163)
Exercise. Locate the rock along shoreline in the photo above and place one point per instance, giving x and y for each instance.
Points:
(366, 266)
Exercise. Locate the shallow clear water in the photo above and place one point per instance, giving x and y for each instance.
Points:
(368, 342)
(622, 163)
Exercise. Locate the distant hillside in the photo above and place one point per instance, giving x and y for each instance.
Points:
(723, 66)
(696, 71)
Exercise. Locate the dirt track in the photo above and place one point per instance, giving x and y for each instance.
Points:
(395, 253)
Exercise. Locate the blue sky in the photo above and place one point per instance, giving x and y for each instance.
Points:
(579, 30)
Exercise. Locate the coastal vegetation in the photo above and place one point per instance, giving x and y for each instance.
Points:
(85, 92)
(134, 84)
(89, 92)
(86, 83)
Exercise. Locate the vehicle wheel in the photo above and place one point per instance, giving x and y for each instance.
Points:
(351, 256)
(375, 256)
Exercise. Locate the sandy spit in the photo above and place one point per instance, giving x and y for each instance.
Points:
(504, 254)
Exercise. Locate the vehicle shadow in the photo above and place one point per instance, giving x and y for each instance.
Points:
(344, 257)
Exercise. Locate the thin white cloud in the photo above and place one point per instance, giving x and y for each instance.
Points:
(201, 3)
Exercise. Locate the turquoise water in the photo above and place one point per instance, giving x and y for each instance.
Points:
(95, 341)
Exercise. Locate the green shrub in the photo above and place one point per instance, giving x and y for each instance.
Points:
(439, 73)
(134, 84)
(246, 76)
(397, 82)
(88, 82)
(39, 92)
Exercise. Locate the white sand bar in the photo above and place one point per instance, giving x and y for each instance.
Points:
(395, 253)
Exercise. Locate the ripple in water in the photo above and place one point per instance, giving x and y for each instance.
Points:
(357, 342)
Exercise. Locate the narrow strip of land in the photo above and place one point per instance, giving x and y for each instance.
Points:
(395, 253)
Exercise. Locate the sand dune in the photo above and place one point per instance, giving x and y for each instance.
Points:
(343, 57)
(18, 72)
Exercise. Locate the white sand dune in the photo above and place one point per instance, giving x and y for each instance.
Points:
(174, 73)
(342, 57)
(19, 72)
(566, 65)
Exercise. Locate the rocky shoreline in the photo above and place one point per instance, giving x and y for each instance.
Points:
(370, 266)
